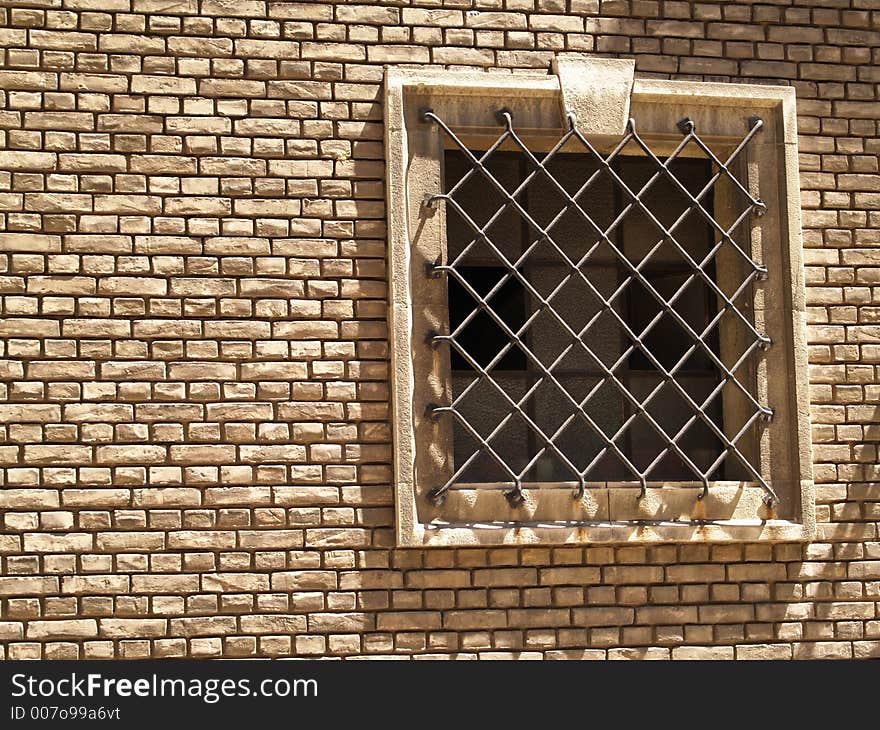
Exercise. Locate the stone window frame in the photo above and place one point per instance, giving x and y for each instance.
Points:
(606, 94)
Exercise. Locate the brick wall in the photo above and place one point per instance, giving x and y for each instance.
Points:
(195, 444)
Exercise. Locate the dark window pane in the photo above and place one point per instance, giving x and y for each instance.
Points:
(671, 412)
(482, 338)
(552, 403)
(668, 206)
(668, 339)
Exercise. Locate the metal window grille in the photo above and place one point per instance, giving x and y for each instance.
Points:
(582, 408)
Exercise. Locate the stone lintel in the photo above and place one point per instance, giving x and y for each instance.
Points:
(597, 91)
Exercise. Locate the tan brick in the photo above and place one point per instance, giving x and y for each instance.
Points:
(58, 454)
(101, 497)
(505, 21)
(27, 585)
(21, 160)
(27, 327)
(823, 650)
(640, 654)
(128, 204)
(57, 543)
(474, 620)
(866, 649)
(29, 242)
(278, 539)
(398, 54)
(234, 582)
(28, 80)
(95, 584)
(234, 8)
(173, 85)
(233, 88)
(62, 629)
(408, 621)
(202, 454)
(161, 328)
(98, 412)
(271, 127)
(506, 577)
(131, 43)
(570, 576)
(201, 47)
(95, 327)
(204, 539)
(152, 412)
(302, 90)
(328, 623)
(864, 569)
(11, 631)
(304, 580)
(273, 624)
(272, 454)
(30, 498)
(127, 628)
(130, 541)
(338, 537)
(58, 202)
(764, 651)
(130, 123)
(603, 616)
(92, 163)
(266, 49)
(167, 497)
(202, 626)
(714, 653)
(132, 370)
(130, 454)
(93, 83)
(170, 7)
(164, 583)
(29, 413)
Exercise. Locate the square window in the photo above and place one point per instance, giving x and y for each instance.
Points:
(584, 341)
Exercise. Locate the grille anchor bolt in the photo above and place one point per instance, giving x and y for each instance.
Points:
(436, 497)
(431, 202)
(704, 492)
(504, 116)
(432, 268)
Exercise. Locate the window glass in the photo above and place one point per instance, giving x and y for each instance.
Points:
(550, 374)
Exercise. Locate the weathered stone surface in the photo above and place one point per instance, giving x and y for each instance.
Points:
(195, 257)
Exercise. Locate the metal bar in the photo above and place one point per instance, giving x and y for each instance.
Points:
(671, 311)
(544, 305)
(545, 374)
(561, 321)
(705, 277)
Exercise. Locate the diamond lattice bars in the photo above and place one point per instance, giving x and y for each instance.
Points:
(583, 407)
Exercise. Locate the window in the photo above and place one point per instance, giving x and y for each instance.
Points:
(597, 332)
